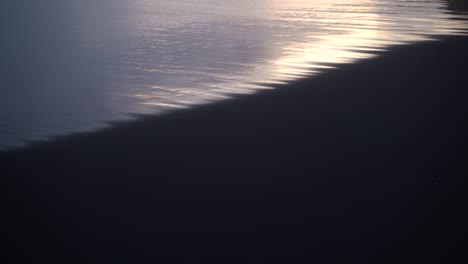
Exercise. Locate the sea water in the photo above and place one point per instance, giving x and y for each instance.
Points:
(70, 66)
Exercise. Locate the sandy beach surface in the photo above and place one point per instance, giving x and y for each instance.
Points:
(364, 163)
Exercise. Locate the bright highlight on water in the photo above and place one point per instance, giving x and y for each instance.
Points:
(72, 66)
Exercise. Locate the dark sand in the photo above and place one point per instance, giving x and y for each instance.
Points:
(366, 163)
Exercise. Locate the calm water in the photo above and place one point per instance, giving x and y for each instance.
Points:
(75, 65)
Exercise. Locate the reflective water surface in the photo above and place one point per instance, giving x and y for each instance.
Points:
(74, 65)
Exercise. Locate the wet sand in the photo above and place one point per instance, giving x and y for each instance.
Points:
(362, 163)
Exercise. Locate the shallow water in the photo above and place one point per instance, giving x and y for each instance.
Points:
(72, 66)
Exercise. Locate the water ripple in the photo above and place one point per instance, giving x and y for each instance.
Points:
(81, 64)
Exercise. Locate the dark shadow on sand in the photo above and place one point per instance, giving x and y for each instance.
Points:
(363, 163)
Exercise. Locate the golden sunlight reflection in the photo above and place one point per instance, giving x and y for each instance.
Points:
(216, 53)
(149, 57)
(361, 41)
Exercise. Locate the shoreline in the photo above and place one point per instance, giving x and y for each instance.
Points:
(364, 162)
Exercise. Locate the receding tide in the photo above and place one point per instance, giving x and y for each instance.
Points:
(75, 65)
